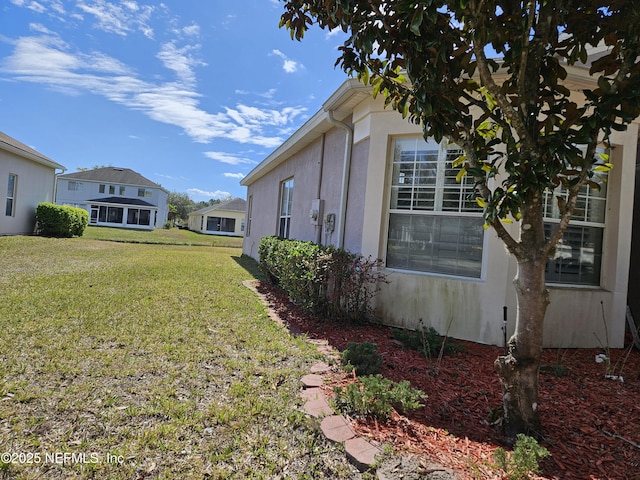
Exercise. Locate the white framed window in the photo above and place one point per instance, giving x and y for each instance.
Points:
(221, 224)
(121, 190)
(145, 192)
(112, 189)
(286, 201)
(10, 205)
(138, 216)
(101, 188)
(74, 186)
(435, 224)
(578, 258)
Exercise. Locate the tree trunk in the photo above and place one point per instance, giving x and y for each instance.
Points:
(518, 369)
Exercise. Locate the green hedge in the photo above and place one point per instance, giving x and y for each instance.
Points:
(59, 221)
(325, 281)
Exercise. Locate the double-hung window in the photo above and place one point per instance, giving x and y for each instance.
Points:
(10, 206)
(74, 186)
(435, 224)
(286, 201)
(578, 255)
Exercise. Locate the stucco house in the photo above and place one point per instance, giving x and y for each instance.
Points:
(359, 176)
(115, 197)
(27, 178)
(224, 218)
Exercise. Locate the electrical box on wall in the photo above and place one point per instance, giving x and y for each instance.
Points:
(315, 214)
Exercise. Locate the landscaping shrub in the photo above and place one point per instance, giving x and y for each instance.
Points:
(376, 396)
(426, 341)
(524, 460)
(326, 281)
(60, 221)
(362, 357)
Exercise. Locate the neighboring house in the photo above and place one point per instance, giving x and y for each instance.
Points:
(26, 178)
(359, 176)
(115, 197)
(225, 218)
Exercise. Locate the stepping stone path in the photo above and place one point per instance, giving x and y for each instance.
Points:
(359, 451)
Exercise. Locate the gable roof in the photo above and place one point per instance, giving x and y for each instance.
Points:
(12, 145)
(123, 176)
(233, 205)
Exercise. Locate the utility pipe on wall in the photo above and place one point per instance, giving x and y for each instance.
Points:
(319, 187)
(346, 169)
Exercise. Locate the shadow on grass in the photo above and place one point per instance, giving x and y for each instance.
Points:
(250, 265)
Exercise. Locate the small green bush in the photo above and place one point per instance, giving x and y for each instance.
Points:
(426, 341)
(376, 396)
(362, 357)
(60, 221)
(325, 281)
(525, 459)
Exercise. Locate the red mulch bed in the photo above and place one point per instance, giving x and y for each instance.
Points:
(591, 425)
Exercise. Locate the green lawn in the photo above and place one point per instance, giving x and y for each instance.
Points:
(137, 360)
(171, 236)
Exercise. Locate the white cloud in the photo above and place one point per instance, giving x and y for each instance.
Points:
(217, 194)
(49, 61)
(239, 176)
(289, 66)
(38, 27)
(179, 60)
(170, 177)
(269, 94)
(333, 32)
(192, 30)
(228, 158)
(31, 5)
(120, 19)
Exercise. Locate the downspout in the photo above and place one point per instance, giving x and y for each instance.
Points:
(55, 183)
(346, 169)
(319, 187)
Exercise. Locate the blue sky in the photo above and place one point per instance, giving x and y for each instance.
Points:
(192, 94)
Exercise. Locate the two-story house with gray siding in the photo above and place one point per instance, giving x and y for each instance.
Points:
(115, 197)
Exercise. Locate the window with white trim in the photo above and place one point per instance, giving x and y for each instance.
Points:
(74, 186)
(286, 201)
(435, 224)
(10, 206)
(578, 258)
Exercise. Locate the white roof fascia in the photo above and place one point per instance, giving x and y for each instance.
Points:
(29, 156)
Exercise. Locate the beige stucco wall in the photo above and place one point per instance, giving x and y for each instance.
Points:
(464, 308)
(473, 309)
(316, 171)
(35, 184)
